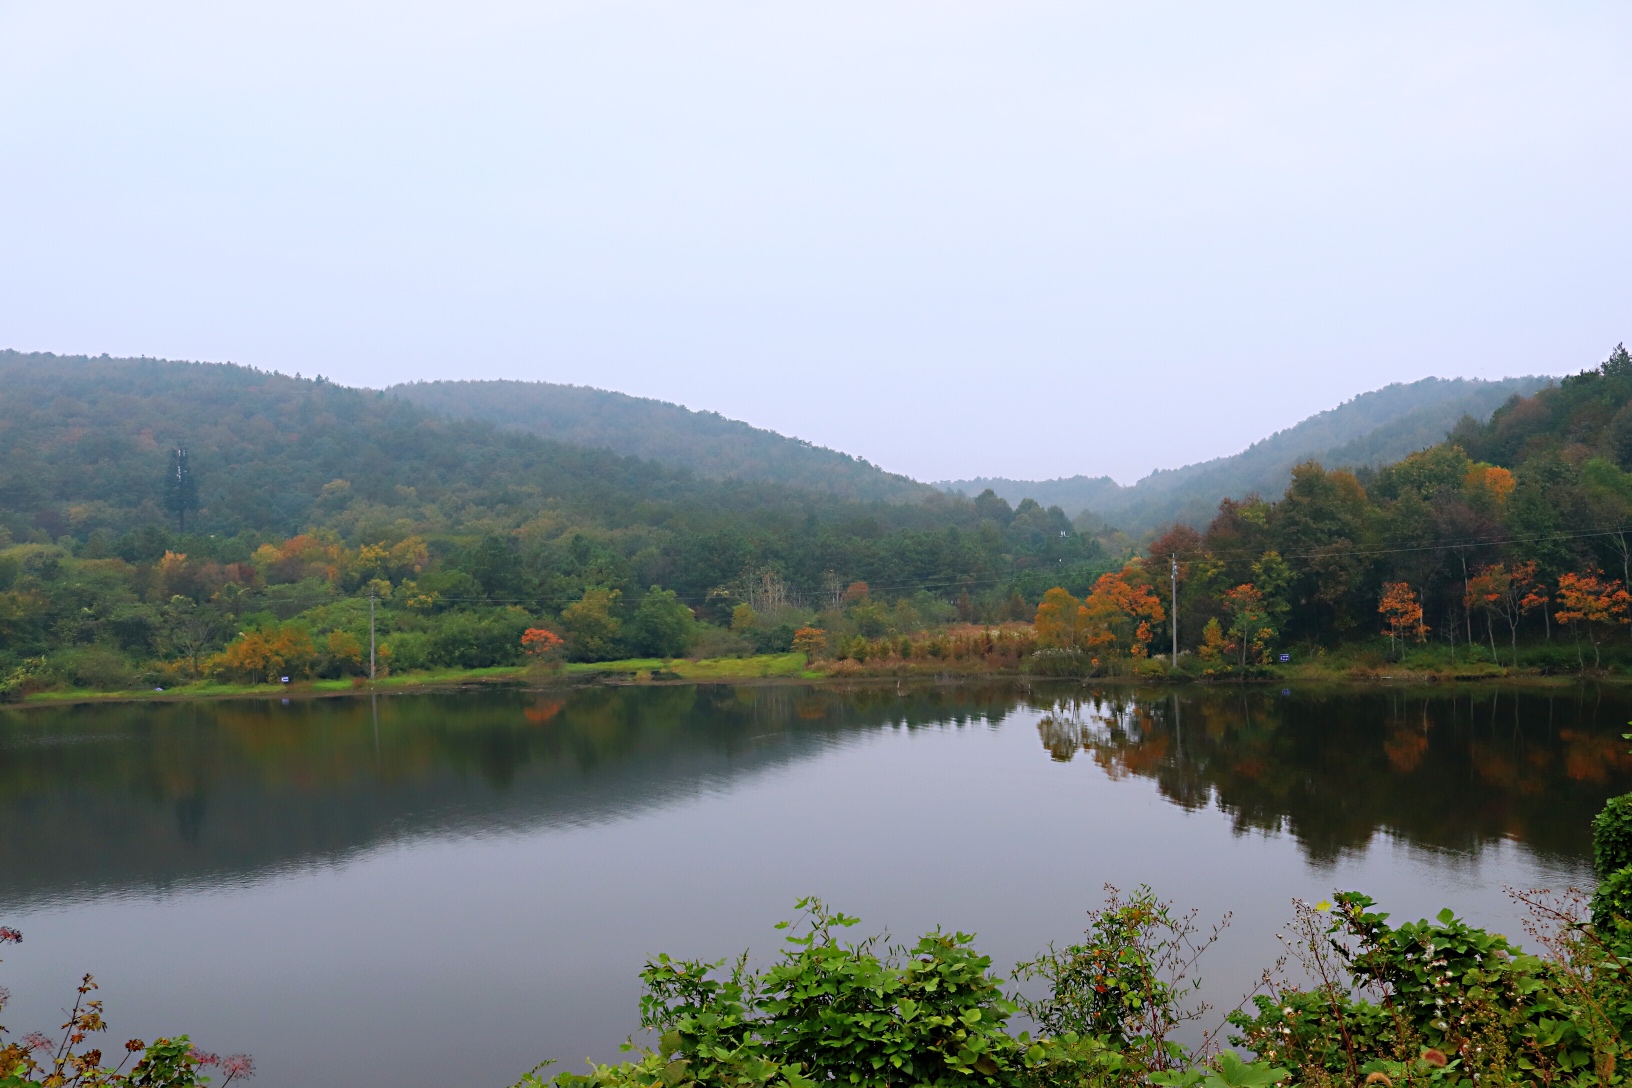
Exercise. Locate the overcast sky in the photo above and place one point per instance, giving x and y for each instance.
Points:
(1000, 238)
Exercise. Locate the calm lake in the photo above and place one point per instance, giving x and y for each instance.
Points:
(446, 889)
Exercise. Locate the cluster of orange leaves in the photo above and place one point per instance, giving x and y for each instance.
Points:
(1402, 611)
(810, 641)
(540, 642)
(271, 653)
(1591, 599)
(309, 556)
(1114, 619)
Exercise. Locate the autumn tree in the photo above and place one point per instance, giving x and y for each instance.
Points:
(1502, 592)
(1402, 611)
(1119, 614)
(1057, 620)
(1592, 602)
(539, 643)
(810, 641)
(1536, 596)
(266, 655)
(1250, 628)
(1213, 643)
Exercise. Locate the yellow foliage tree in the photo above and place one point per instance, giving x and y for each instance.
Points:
(1057, 619)
(266, 655)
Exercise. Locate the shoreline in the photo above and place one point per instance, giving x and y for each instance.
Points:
(777, 669)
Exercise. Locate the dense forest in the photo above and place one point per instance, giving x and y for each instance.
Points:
(1372, 430)
(123, 561)
(1516, 530)
(164, 521)
(706, 443)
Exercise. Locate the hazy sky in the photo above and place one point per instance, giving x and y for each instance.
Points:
(1002, 238)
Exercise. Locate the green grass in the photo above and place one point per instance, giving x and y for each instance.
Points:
(758, 667)
(761, 667)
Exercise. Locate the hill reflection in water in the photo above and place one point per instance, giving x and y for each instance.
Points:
(321, 879)
(100, 800)
(105, 799)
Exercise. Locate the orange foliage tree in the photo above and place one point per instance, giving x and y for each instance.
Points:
(810, 641)
(1403, 613)
(541, 642)
(1489, 481)
(1118, 615)
(1502, 592)
(1593, 602)
(266, 655)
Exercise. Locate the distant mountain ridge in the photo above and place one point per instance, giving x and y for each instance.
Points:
(706, 443)
(1374, 428)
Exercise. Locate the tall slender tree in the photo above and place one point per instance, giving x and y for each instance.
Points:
(180, 489)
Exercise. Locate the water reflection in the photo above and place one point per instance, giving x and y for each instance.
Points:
(1444, 771)
(98, 800)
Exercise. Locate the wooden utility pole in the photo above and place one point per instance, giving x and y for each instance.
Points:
(371, 636)
(1175, 620)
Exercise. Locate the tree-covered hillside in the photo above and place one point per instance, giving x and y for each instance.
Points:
(1517, 528)
(707, 443)
(1373, 429)
(300, 497)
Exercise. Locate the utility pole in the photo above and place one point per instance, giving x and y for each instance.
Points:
(371, 636)
(1175, 623)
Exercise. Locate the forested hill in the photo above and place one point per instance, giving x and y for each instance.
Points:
(86, 442)
(1373, 429)
(87, 446)
(707, 443)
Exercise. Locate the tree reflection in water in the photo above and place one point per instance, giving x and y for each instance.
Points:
(1449, 771)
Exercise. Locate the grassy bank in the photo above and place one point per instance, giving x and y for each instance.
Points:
(791, 666)
(1338, 667)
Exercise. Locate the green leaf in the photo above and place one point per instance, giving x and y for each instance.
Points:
(1231, 1072)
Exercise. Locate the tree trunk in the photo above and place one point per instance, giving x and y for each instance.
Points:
(1467, 613)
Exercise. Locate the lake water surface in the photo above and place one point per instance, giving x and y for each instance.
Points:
(425, 890)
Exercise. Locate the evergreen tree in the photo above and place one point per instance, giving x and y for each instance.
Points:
(180, 489)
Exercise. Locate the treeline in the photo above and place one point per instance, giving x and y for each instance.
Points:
(149, 608)
(1512, 538)
(1512, 531)
(295, 488)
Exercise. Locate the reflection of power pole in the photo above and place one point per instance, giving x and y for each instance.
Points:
(1178, 732)
(1175, 559)
(370, 636)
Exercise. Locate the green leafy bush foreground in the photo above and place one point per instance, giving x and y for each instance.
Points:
(1437, 1002)
(73, 1060)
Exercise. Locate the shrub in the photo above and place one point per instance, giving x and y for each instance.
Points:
(1058, 662)
(410, 650)
(711, 641)
(1446, 995)
(1612, 836)
(99, 668)
(72, 1060)
(478, 640)
(827, 1012)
